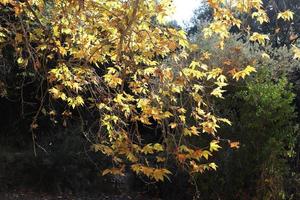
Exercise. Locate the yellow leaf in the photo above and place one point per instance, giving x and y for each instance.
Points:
(56, 31)
(5, 1)
(158, 147)
(287, 15)
(131, 157)
(182, 118)
(296, 52)
(150, 70)
(261, 16)
(194, 64)
(112, 80)
(173, 125)
(217, 92)
(242, 74)
(187, 132)
(79, 100)
(62, 51)
(160, 174)
(183, 148)
(214, 73)
(214, 146)
(194, 131)
(260, 38)
(213, 166)
(22, 62)
(206, 154)
(167, 114)
(225, 121)
(265, 56)
(197, 168)
(148, 149)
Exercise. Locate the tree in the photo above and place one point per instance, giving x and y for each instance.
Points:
(108, 58)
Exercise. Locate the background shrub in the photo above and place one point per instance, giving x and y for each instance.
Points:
(264, 120)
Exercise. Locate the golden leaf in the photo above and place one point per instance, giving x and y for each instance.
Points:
(214, 146)
(287, 15)
(260, 38)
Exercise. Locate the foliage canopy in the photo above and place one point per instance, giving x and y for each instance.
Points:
(108, 57)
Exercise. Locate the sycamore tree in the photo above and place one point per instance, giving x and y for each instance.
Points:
(121, 60)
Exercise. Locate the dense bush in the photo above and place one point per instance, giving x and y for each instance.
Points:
(262, 111)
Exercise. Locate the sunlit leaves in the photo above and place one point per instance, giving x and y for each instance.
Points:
(286, 15)
(214, 146)
(225, 121)
(218, 92)
(265, 56)
(56, 93)
(74, 102)
(260, 38)
(158, 174)
(243, 73)
(296, 51)
(206, 154)
(121, 60)
(113, 80)
(261, 16)
(214, 73)
(165, 8)
(194, 64)
(69, 83)
(5, 1)
(200, 168)
(190, 131)
(213, 166)
(210, 125)
(151, 148)
(22, 62)
(217, 28)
